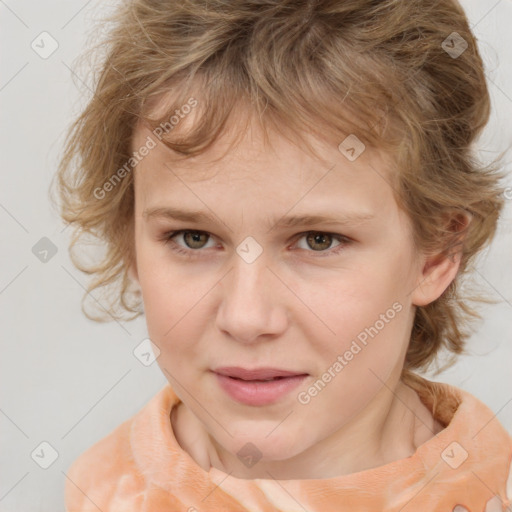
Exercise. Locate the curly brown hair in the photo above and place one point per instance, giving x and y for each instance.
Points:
(405, 77)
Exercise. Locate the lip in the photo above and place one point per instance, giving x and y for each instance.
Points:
(256, 392)
(256, 373)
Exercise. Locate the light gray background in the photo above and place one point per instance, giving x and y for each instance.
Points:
(69, 381)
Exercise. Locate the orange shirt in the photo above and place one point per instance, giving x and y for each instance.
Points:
(140, 467)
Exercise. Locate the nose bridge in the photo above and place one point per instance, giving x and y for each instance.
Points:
(250, 279)
(249, 305)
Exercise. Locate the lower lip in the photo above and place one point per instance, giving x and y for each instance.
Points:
(258, 393)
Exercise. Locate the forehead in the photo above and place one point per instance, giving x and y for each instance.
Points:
(255, 169)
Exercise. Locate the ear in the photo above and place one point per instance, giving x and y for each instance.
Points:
(437, 271)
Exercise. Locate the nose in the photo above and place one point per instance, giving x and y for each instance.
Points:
(252, 306)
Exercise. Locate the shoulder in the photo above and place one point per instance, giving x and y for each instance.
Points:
(104, 472)
(499, 500)
(107, 476)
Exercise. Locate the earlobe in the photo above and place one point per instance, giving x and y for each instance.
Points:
(439, 270)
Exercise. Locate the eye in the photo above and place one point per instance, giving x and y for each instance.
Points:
(316, 241)
(194, 240)
(320, 241)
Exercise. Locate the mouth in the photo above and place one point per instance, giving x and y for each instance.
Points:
(258, 387)
(257, 380)
(258, 374)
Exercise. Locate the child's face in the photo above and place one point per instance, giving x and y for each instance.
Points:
(302, 305)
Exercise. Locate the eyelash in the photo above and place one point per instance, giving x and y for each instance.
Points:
(194, 253)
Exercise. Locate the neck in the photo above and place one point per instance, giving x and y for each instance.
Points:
(391, 427)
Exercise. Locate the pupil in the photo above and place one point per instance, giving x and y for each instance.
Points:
(319, 238)
(195, 236)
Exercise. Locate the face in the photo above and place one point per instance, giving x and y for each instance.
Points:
(244, 285)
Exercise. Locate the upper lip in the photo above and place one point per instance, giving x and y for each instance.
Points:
(256, 373)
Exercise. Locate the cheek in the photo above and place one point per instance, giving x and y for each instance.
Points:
(364, 353)
(162, 293)
(354, 297)
(363, 314)
(173, 307)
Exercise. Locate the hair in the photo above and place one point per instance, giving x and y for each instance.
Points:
(378, 69)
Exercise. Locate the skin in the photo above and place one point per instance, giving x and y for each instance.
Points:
(296, 307)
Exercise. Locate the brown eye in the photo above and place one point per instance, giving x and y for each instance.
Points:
(195, 239)
(319, 241)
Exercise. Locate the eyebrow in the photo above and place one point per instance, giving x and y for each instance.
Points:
(195, 216)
